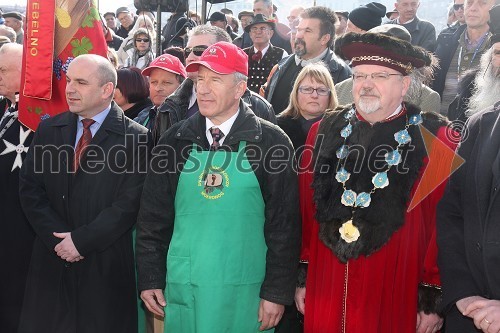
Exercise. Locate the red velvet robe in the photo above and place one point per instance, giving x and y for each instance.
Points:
(378, 293)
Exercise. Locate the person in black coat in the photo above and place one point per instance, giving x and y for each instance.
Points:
(468, 220)
(16, 238)
(468, 230)
(82, 204)
(312, 94)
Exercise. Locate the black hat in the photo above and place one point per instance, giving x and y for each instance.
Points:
(217, 16)
(122, 10)
(245, 13)
(108, 13)
(388, 14)
(382, 50)
(343, 13)
(367, 16)
(259, 18)
(495, 24)
(15, 15)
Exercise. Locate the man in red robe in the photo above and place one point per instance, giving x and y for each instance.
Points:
(369, 253)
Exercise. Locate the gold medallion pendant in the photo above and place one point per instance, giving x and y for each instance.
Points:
(349, 232)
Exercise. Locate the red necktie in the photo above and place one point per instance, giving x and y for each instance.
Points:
(83, 142)
(257, 56)
(216, 135)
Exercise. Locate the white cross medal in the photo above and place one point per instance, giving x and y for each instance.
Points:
(19, 149)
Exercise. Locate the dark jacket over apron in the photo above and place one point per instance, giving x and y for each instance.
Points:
(278, 186)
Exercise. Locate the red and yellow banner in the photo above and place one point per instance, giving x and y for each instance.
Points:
(56, 32)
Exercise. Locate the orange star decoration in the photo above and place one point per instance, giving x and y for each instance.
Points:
(437, 169)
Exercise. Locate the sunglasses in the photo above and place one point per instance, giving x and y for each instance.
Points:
(458, 7)
(145, 40)
(197, 50)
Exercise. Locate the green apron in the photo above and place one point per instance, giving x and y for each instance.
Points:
(216, 261)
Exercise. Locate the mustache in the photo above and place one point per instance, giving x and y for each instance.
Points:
(299, 41)
(366, 92)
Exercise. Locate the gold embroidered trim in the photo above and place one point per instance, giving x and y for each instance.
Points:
(408, 67)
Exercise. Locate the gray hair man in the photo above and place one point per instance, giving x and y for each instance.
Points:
(183, 104)
(226, 205)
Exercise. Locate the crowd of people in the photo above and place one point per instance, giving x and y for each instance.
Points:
(338, 173)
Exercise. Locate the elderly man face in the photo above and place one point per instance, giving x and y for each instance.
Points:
(378, 90)
(261, 34)
(218, 95)
(407, 9)
(13, 23)
(245, 21)
(260, 7)
(10, 70)
(477, 13)
(126, 19)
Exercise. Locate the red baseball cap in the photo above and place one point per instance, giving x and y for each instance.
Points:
(222, 58)
(168, 63)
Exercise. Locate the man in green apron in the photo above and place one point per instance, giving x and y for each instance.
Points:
(218, 232)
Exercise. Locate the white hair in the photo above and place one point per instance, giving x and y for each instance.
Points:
(486, 85)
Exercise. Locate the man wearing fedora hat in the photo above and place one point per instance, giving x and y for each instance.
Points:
(219, 212)
(262, 56)
(368, 246)
(15, 21)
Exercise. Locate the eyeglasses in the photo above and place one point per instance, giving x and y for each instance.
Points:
(376, 77)
(458, 6)
(197, 50)
(257, 29)
(145, 40)
(309, 90)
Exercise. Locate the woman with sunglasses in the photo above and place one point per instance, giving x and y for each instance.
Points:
(128, 43)
(312, 94)
(142, 53)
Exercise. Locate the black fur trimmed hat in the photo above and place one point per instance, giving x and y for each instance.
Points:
(383, 50)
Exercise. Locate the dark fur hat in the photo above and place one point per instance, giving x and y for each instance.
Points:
(383, 50)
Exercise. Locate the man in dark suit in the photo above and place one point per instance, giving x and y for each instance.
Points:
(80, 187)
(17, 235)
(469, 218)
(422, 32)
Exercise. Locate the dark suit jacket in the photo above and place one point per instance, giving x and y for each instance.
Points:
(99, 206)
(468, 220)
(422, 33)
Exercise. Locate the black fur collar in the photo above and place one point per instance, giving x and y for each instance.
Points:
(386, 213)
